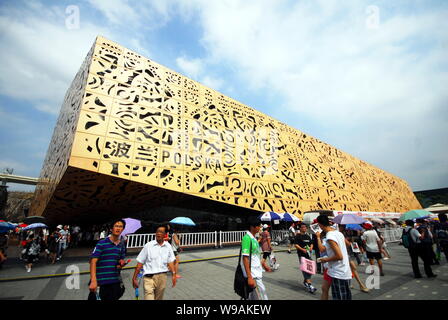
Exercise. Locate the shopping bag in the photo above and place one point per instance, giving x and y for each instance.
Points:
(273, 261)
(307, 265)
(355, 247)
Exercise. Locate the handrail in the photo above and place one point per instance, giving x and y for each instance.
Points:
(229, 237)
(220, 238)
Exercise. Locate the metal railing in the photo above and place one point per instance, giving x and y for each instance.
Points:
(279, 236)
(391, 234)
(230, 237)
(220, 238)
(139, 240)
(198, 239)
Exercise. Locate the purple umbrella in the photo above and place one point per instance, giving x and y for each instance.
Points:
(132, 225)
(348, 219)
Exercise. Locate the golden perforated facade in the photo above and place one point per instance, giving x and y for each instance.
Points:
(132, 133)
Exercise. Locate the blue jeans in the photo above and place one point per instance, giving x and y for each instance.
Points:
(61, 247)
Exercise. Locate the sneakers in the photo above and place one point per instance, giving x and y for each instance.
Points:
(432, 276)
(178, 276)
(289, 250)
(311, 289)
(28, 269)
(386, 258)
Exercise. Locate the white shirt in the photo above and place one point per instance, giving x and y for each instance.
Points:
(155, 257)
(371, 238)
(64, 235)
(339, 269)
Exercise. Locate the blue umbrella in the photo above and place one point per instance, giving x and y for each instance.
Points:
(35, 225)
(184, 221)
(353, 227)
(269, 216)
(348, 219)
(6, 226)
(289, 217)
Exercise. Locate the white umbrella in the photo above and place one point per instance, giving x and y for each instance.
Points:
(288, 217)
(269, 216)
(309, 217)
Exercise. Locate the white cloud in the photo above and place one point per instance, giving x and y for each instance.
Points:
(211, 82)
(384, 87)
(40, 57)
(191, 67)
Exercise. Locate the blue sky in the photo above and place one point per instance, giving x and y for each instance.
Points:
(368, 77)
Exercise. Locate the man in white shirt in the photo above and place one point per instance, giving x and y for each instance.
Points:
(291, 234)
(64, 240)
(373, 246)
(156, 258)
(337, 259)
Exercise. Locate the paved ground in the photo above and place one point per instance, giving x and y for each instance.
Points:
(213, 279)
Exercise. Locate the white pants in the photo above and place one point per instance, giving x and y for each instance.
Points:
(259, 293)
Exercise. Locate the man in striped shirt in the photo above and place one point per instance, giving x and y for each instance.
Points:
(106, 261)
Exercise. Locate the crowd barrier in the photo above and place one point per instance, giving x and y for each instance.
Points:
(219, 238)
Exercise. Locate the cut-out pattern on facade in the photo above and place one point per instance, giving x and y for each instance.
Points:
(130, 118)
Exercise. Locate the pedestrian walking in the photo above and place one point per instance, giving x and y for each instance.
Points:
(338, 261)
(441, 234)
(265, 244)
(326, 283)
(174, 241)
(411, 239)
(352, 258)
(32, 252)
(156, 259)
(373, 246)
(427, 241)
(304, 246)
(106, 262)
(253, 269)
(64, 240)
(3, 248)
(291, 235)
(53, 246)
(75, 236)
(384, 251)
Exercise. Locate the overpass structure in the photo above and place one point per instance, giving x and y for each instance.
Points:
(5, 178)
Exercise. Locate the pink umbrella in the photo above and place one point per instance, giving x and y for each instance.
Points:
(132, 225)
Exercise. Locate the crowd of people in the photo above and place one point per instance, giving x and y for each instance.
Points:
(41, 243)
(337, 250)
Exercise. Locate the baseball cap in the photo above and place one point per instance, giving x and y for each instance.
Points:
(265, 226)
(59, 227)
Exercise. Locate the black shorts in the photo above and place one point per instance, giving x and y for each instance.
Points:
(31, 258)
(266, 255)
(111, 292)
(374, 255)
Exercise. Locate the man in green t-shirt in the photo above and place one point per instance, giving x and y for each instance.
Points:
(253, 269)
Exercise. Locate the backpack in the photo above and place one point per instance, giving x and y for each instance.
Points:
(406, 239)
